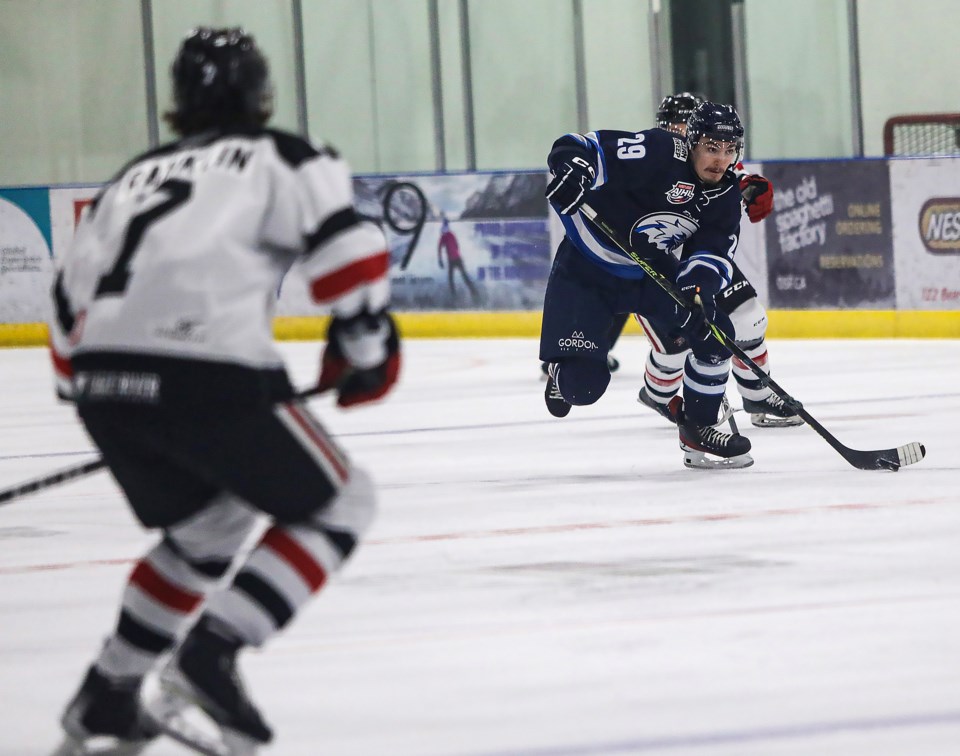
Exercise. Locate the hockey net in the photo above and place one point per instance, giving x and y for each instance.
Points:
(922, 134)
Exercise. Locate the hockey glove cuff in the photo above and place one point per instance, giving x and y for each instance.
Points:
(757, 192)
(362, 358)
(572, 179)
(695, 317)
(700, 278)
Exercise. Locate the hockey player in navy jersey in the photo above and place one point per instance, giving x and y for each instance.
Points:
(162, 335)
(664, 365)
(658, 191)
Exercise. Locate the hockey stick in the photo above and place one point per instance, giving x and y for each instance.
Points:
(86, 468)
(880, 459)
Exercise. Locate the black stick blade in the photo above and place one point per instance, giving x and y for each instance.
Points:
(887, 459)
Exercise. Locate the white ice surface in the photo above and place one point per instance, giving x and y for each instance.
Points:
(539, 587)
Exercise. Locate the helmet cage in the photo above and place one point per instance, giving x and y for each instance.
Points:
(717, 122)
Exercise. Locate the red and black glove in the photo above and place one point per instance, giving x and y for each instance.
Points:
(757, 192)
(362, 358)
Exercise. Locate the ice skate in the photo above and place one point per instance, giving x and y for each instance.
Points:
(201, 702)
(706, 447)
(556, 404)
(771, 412)
(105, 718)
(663, 409)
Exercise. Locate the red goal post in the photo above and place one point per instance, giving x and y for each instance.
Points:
(922, 134)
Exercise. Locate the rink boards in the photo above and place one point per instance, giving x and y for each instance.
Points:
(853, 249)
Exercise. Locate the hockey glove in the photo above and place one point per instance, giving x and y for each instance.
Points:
(757, 193)
(694, 318)
(699, 285)
(569, 186)
(362, 358)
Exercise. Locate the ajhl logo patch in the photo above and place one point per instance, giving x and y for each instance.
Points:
(680, 192)
(940, 225)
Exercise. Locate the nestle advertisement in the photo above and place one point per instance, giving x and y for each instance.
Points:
(926, 232)
(829, 241)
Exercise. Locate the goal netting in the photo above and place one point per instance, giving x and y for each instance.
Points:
(922, 134)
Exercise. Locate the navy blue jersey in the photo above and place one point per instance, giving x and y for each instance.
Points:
(646, 188)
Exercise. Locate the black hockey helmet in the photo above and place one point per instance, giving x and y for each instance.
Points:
(220, 78)
(715, 121)
(676, 108)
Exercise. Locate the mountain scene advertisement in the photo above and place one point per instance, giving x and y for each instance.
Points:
(462, 242)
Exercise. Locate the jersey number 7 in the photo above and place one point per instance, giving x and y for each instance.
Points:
(116, 279)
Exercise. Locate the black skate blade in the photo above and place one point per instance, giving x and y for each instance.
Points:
(99, 746)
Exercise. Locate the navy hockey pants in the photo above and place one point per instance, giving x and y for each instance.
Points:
(172, 462)
(579, 306)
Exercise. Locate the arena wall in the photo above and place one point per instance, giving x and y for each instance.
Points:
(853, 249)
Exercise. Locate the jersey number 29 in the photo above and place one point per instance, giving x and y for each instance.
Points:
(115, 280)
(631, 148)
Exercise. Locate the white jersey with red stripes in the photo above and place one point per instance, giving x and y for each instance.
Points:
(183, 253)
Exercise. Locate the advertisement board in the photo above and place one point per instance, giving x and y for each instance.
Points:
(66, 206)
(844, 235)
(26, 261)
(926, 232)
(829, 244)
(36, 225)
(457, 242)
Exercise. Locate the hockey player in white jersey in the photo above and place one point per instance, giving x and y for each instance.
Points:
(664, 365)
(162, 335)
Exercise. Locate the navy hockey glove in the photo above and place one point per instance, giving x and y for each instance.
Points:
(696, 325)
(699, 285)
(572, 179)
(362, 358)
(757, 193)
(698, 312)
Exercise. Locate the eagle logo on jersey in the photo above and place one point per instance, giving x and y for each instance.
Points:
(666, 231)
(680, 192)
